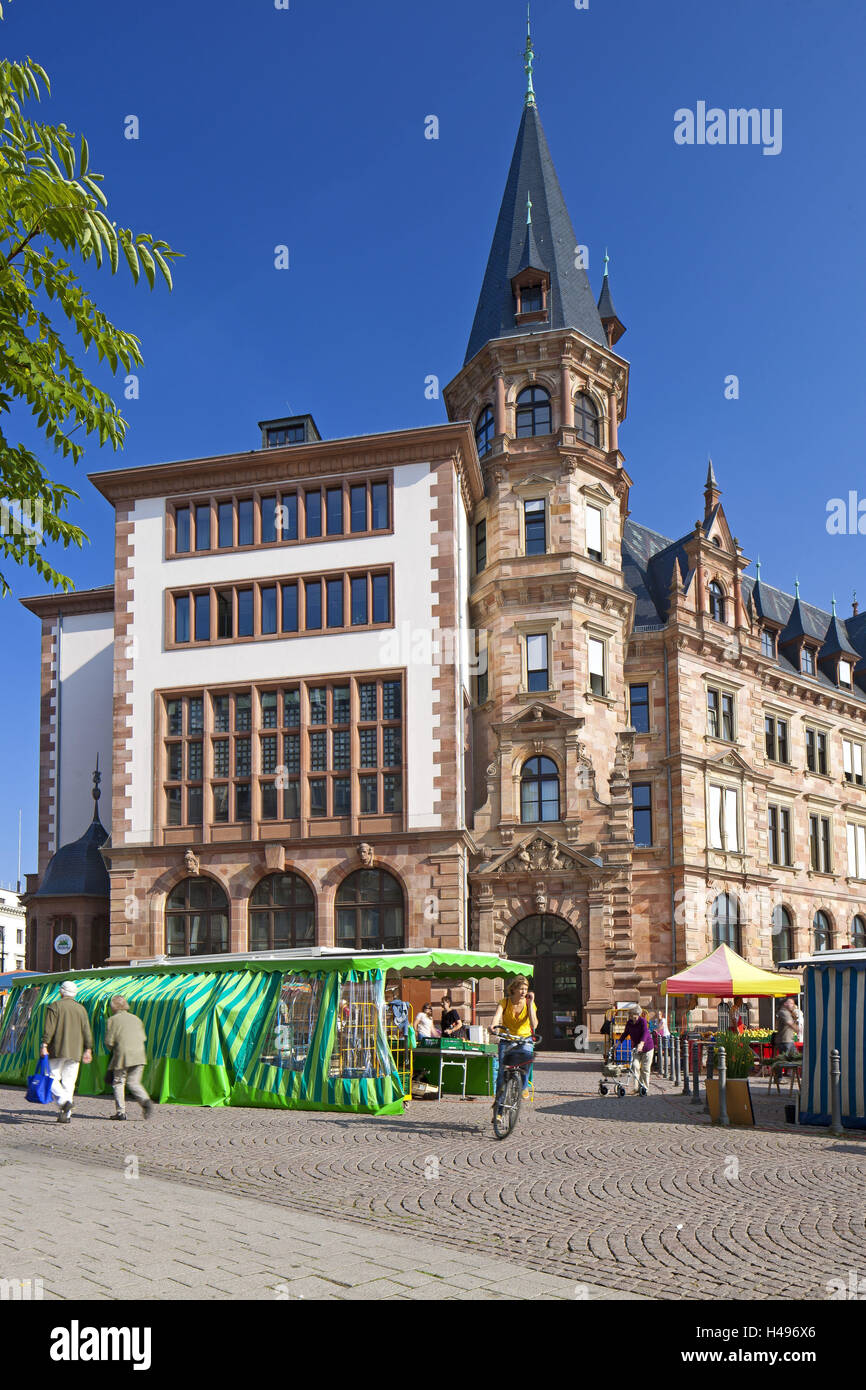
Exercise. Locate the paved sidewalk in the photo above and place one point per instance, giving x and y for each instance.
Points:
(639, 1195)
(96, 1233)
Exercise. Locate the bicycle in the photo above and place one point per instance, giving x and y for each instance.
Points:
(510, 1085)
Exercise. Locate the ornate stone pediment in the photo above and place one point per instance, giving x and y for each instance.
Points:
(534, 716)
(539, 853)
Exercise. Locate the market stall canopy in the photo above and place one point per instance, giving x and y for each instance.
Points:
(725, 975)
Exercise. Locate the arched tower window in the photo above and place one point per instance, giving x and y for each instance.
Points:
(282, 913)
(539, 791)
(726, 922)
(822, 935)
(533, 412)
(370, 912)
(196, 919)
(717, 602)
(783, 942)
(485, 429)
(586, 419)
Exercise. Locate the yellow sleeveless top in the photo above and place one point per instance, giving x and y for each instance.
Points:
(517, 1023)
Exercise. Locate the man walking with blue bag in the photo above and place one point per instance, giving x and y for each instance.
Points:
(67, 1042)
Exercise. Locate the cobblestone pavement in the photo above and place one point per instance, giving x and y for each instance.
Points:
(639, 1195)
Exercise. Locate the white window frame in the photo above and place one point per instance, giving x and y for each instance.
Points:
(529, 637)
(852, 761)
(849, 683)
(781, 810)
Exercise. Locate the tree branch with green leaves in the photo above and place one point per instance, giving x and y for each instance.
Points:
(53, 219)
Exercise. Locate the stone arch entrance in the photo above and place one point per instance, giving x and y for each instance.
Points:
(551, 946)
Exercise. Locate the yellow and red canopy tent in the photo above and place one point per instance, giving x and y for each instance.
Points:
(725, 975)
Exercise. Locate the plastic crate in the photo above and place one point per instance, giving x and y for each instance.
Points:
(622, 1052)
(453, 1044)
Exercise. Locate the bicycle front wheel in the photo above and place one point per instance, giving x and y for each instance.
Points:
(506, 1112)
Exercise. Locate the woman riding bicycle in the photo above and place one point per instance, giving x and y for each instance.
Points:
(516, 1015)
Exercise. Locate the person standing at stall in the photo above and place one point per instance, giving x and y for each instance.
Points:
(452, 1023)
(424, 1025)
(67, 1041)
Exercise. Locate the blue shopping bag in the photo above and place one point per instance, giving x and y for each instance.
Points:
(40, 1084)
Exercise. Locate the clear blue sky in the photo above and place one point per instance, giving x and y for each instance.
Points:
(306, 127)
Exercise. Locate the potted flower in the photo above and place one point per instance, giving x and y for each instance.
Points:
(740, 1063)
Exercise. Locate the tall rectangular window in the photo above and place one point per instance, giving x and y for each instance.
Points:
(359, 601)
(820, 844)
(723, 829)
(537, 667)
(713, 720)
(336, 617)
(845, 674)
(594, 548)
(768, 643)
(358, 507)
(181, 618)
(245, 613)
(807, 661)
(852, 761)
(480, 546)
(313, 601)
(290, 608)
(779, 835)
(334, 505)
(381, 598)
(776, 739)
(639, 708)
(289, 516)
(534, 527)
(245, 522)
(225, 525)
(727, 717)
(379, 504)
(269, 608)
(268, 520)
(313, 513)
(181, 530)
(856, 850)
(597, 676)
(816, 751)
(202, 617)
(225, 614)
(642, 815)
(202, 526)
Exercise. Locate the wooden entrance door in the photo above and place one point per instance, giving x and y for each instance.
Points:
(551, 946)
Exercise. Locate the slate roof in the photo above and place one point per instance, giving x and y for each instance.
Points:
(572, 304)
(648, 560)
(78, 870)
(605, 301)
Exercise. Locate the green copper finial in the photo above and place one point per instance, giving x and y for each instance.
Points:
(528, 209)
(758, 568)
(797, 587)
(529, 59)
(833, 605)
(606, 262)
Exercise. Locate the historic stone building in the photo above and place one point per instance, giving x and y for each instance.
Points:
(438, 687)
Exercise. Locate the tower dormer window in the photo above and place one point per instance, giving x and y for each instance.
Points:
(768, 642)
(717, 602)
(807, 661)
(531, 299)
(533, 412)
(586, 419)
(845, 674)
(485, 429)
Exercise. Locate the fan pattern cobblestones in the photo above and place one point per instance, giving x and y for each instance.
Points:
(639, 1195)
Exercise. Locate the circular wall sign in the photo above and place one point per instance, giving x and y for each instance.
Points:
(63, 944)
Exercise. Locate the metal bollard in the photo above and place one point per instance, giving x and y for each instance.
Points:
(676, 1076)
(723, 1081)
(836, 1094)
(709, 1075)
(663, 1059)
(685, 1066)
(668, 1057)
(696, 1074)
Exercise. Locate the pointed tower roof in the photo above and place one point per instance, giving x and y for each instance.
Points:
(531, 258)
(610, 320)
(533, 176)
(77, 870)
(712, 491)
(836, 641)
